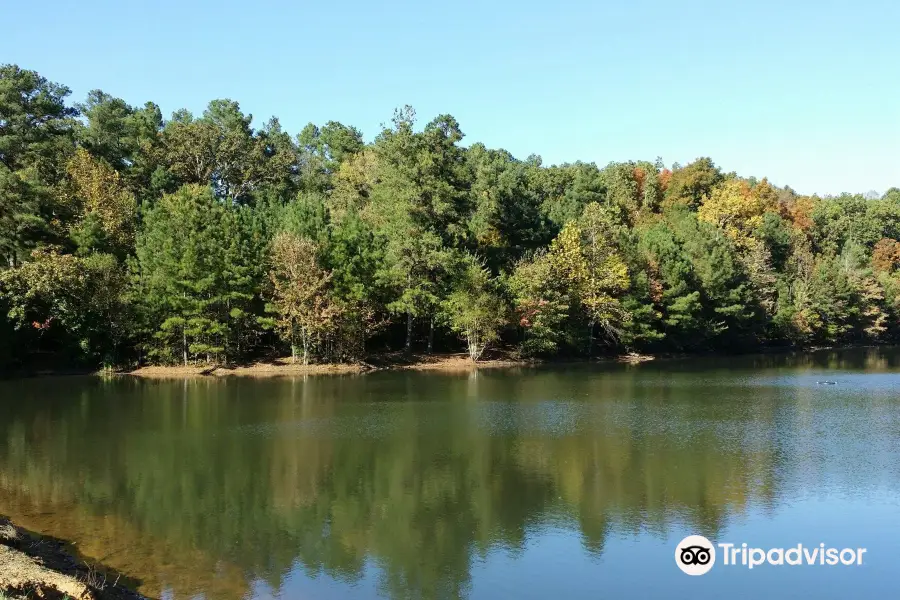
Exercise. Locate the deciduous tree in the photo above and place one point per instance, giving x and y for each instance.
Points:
(475, 308)
(300, 293)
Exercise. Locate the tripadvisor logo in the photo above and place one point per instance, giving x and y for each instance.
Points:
(696, 555)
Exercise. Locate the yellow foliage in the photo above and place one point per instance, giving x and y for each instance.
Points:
(97, 189)
(592, 269)
(352, 183)
(737, 209)
(300, 292)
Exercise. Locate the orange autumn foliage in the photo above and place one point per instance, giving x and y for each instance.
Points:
(799, 212)
(665, 176)
(886, 255)
(639, 177)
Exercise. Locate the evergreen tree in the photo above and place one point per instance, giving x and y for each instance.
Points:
(35, 142)
(194, 281)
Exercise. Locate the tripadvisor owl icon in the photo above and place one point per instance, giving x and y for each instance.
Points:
(695, 555)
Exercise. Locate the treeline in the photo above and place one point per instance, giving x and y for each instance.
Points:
(130, 238)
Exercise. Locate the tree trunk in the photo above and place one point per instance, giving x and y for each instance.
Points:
(409, 331)
(184, 344)
(476, 348)
(305, 348)
(431, 336)
(590, 339)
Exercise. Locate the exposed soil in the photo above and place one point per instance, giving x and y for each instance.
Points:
(41, 567)
(386, 361)
(280, 367)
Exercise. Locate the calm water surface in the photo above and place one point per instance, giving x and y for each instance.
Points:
(545, 483)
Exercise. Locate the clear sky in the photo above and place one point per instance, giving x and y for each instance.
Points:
(804, 92)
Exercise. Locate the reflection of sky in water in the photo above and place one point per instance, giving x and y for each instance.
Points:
(822, 381)
(554, 564)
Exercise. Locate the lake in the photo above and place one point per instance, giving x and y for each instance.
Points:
(552, 482)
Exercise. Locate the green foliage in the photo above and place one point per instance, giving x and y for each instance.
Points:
(300, 293)
(126, 138)
(35, 140)
(355, 260)
(475, 309)
(690, 185)
(323, 150)
(222, 150)
(542, 308)
(35, 123)
(418, 208)
(775, 235)
(306, 217)
(564, 294)
(195, 276)
(105, 210)
(706, 297)
(21, 222)
(68, 304)
(847, 218)
(567, 189)
(408, 232)
(506, 219)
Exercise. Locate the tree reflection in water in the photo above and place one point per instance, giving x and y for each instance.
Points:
(210, 485)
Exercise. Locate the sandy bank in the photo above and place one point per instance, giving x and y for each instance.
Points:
(394, 361)
(35, 567)
(273, 369)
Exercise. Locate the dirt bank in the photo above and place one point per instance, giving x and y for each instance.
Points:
(39, 567)
(392, 361)
(270, 369)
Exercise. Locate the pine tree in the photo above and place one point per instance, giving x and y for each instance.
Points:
(193, 278)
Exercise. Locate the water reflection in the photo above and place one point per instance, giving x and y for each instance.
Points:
(229, 487)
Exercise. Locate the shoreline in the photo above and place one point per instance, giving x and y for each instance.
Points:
(33, 565)
(442, 362)
(398, 361)
(447, 363)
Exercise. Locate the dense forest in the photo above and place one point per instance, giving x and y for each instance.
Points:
(127, 238)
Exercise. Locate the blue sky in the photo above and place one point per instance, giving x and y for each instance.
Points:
(804, 92)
